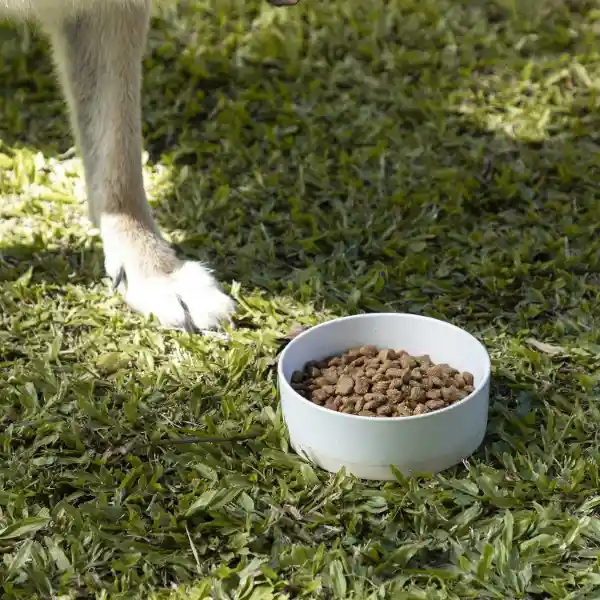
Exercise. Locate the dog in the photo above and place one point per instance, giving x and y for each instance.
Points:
(97, 49)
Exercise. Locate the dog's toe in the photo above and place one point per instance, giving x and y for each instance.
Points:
(189, 298)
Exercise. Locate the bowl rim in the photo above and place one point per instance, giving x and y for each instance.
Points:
(333, 413)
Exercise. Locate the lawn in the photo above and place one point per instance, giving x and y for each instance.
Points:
(434, 156)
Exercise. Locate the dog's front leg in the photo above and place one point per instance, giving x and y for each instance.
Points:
(98, 53)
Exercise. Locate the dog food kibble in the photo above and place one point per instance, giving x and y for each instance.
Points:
(371, 382)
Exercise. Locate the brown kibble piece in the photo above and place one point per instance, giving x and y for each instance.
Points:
(416, 374)
(320, 396)
(459, 381)
(420, 409)
(366, 413)
(385, 411)
(434, 394)
(385, 355)
(436, 381)
(417, 394)
(468, 377)
(407, 362)
(448, 370)
(356, 372)
(435, 371)
(394, 395)
(370, 372)
(403, 411)
(425, 361)
(361, 385)
(345, 385)
(450, 394)
(469, 388)
(406, 375)
(396, 383)
(298, 377)
(375, 402)
(435, 404)
(395, 373)
(351, 400)
(330, 375)
(369, 350)
(385, 365)
(381, 387)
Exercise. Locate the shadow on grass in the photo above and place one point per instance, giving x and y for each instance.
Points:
(456, 181)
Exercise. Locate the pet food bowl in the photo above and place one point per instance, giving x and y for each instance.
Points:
(366, 446)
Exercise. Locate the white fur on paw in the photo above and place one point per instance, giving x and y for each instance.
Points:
(190, 298)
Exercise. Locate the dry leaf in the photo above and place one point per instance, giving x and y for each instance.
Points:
(544, 347)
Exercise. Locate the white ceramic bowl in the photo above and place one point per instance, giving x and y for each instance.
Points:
(368, 446)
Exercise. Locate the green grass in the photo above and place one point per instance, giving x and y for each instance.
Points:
(431, 156)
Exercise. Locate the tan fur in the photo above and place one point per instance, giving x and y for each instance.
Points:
(98, 47)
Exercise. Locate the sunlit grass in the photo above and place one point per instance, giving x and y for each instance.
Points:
(437, 157)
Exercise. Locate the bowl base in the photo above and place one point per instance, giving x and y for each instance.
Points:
(379, 472)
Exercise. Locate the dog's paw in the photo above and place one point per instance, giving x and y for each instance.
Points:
(188, 297)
